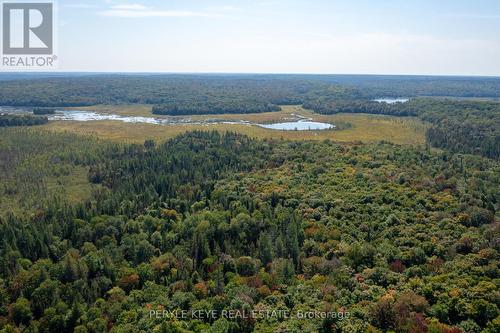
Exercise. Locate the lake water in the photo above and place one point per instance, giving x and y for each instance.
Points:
(89, 116)
(392, 100)
(301, 125)
(92, 116)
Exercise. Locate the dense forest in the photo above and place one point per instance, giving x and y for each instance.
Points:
(388, 238)
(245, 235)
(209, 107)
(227, 93)
(21, 120)
(186, 91)
(83, 89)
(376, 86)
(43, 111)
(471, 127)
(334, 106)
(462, 126)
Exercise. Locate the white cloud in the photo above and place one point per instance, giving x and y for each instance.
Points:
(153, 13)
(129, 7)
(266, 3)
(224, 9)
(141, 11)
(79, 6)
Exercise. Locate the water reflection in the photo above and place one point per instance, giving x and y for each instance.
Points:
(300, 125)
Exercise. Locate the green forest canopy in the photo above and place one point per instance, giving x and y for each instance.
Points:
(402, 238)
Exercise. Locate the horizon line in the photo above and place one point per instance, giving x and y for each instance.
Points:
(245, 73)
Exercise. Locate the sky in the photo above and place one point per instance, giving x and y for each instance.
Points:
(445, 37)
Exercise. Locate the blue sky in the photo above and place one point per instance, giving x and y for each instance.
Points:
(445, 37)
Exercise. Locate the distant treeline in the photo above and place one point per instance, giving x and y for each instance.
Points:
(471, 127)
(231, 106)
(361, 106)
(21, 120)
(195, 94)
(463, 126)
(42, 111)
(224, 90)
(377, 86)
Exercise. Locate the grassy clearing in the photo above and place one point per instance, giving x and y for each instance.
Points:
(365, 128)
(73, 187)
(35, 168)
